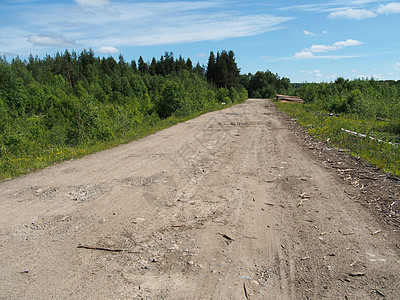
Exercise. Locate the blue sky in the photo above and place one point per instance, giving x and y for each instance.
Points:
(306, 41)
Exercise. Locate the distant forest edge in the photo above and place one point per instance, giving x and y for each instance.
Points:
(68, 105)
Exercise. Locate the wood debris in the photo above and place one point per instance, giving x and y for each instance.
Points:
(365, 136)
(357, 274)
(101, 248)
(305, 258)
(379, 292)
(245, 291)
(178, 225)
(304, 196)
(286, 98)
(226, 236)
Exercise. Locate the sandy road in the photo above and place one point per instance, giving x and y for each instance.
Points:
(225, 206)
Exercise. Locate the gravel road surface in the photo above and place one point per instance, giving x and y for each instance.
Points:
(230, 205)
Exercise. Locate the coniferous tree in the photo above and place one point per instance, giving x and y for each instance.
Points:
(133, 66)
(189, 64)
(211, 68)
(142, 66)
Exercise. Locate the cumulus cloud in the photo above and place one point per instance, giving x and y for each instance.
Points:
(309, 53)
(362, 13)
(51, 40)
(335, 46)
(391, 8)
(351, 13)
(107, 49)
(397, 66)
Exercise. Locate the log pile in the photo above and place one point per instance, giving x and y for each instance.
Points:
(285, 98)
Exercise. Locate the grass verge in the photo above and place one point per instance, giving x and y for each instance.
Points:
(381, 150)
(17, 166)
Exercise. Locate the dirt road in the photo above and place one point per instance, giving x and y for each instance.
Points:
(225, 206)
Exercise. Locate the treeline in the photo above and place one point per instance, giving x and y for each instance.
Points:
(70, 99)
(266, 84)
(364, 97)
(222, 70)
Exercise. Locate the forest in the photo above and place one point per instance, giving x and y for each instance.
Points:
(70, 104)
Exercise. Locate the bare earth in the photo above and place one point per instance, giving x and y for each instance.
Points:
(230, 205)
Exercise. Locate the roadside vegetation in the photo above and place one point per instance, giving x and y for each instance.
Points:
(69, 105)
(66, 106)
(335, 112)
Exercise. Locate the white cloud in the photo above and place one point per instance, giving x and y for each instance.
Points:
(51, 40)
(391, 8)
(107, 49)
(202, 55)
(322, 48)
(397, 66)
(316, 73)
(347, 43)
(309, 33)
(325, 32)
(309, 53)
(304, 54)
(375, 76)
(335, 46)
(351, 13)
(190, 28)
(90, 23)
(93, 3)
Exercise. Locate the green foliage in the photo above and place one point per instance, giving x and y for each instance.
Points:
(222, 70)
(366, 98)
(68, 105)
(368, 107)
(266, 84)
(381, 151)
(172, 96)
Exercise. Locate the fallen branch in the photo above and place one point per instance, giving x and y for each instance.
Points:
(357, 274)
(225, 236)
(379, 292)
(245, 291)
(101, 248)
(365, 136)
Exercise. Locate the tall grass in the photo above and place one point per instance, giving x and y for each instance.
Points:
(324, 126)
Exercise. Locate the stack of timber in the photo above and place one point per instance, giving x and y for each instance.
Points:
(285, 98)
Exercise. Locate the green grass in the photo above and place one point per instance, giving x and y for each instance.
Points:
(324, 127)
(11, 167)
